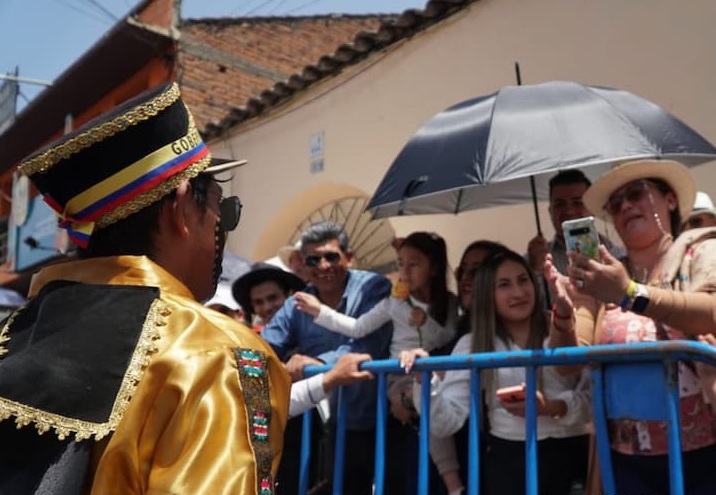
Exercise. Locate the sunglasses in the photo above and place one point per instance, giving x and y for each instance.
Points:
(229, 213)
(313, 260)
(633, 193)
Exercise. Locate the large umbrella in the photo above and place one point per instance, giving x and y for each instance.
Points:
(527, 132)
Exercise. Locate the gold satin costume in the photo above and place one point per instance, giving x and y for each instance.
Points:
(208, 412)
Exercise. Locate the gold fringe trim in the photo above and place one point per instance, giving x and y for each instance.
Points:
(145, 111)
(153, 195)
(6, 329)
(83, 430)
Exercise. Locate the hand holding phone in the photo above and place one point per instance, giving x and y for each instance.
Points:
(581, 236)
(512, 394)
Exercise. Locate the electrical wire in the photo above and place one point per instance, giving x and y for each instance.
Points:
(260, 6)
(301, 7)
(275, 9)
(81, 11)
(104, 10)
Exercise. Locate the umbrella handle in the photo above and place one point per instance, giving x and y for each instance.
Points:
(534, 204)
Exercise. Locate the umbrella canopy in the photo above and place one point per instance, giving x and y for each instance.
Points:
(520, 132)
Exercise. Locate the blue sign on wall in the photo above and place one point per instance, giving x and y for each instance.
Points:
(35, 240)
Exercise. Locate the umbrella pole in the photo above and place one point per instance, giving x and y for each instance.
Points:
(534, 204)
(518, 78)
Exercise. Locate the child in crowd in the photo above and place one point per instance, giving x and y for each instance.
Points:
(506, 315)
(423, 312)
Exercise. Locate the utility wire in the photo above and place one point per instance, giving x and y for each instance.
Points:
(82, 11)
(260, 6)
(245, 6)
(104, 10)
(275, 9)
(301, 7)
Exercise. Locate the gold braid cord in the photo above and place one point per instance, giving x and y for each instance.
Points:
(145, 111)
(64, 426)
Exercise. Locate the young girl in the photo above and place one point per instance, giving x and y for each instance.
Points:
(424, 316)
(506, 315)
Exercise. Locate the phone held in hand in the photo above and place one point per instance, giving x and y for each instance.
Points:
(580, 236)
(512, 394)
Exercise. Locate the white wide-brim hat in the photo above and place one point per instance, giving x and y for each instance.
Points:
(224, 297)
(673, 173)
(285, 252)
(703, 204)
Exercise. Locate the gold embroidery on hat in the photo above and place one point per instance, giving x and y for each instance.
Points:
(153, 195)
(64, 426)
(45, 161)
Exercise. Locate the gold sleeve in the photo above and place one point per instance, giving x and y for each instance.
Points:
(206, 424)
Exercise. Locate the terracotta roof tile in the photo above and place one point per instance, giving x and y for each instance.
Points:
(333, 59)
(224, 63)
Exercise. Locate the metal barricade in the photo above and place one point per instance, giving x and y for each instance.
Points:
(651, 365)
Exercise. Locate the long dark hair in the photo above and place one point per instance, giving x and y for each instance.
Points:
(486, 325)
(434, 248)
(490, 247)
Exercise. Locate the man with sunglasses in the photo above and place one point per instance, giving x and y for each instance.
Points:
(703, 214)
(121, 380)
(327, 260)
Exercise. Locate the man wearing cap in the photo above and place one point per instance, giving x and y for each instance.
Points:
(263, 290)
(703, 214)
(134, 385)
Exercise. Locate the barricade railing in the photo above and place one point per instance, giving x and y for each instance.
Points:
(653, 366)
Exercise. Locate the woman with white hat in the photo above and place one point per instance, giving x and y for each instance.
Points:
(662, 290)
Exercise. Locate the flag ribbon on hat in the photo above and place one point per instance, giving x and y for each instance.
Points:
(80, 213)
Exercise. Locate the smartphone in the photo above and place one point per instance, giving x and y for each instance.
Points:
(580, 235)
(512, 394)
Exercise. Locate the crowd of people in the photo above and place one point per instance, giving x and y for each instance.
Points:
(139, 388)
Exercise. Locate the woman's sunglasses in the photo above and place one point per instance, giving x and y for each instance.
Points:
(313, 260)
(633, 193)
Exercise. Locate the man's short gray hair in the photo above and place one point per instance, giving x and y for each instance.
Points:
(322, 232)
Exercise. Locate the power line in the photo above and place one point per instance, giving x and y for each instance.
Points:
(260, 6)
(245, 6)
(81, 11)
(103, 9)
(301, 7)
(275, 9)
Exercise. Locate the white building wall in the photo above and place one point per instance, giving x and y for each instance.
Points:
(662, 50)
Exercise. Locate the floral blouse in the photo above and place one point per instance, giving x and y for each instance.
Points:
(650, 437)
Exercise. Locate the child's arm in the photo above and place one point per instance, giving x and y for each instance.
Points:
(331, 319)
(444, 455)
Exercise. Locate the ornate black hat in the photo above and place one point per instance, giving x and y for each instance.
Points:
(120, 162)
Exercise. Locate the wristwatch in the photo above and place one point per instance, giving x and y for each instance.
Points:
(641, 299)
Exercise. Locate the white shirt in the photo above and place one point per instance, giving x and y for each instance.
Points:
(450, 400)
(305, 394)
(430, 336)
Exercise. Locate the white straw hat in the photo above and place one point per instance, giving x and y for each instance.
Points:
(285, 252)
(676, 175)
(703, 204)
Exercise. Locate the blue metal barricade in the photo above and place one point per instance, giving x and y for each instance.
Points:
(652, 366)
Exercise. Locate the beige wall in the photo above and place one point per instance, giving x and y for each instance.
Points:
(659, 49)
